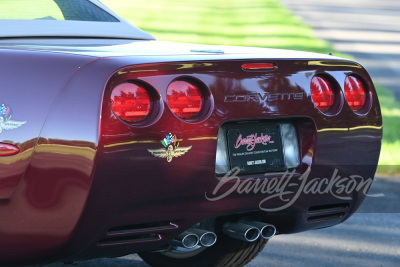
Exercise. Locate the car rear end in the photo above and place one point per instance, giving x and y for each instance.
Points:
(150, 151)
(289, 142)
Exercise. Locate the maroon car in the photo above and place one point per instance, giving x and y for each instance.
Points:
(112, 143)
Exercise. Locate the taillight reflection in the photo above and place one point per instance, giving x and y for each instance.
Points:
(184, 99)
(131, 102)
(355, 93)
(8, 150)
(322, 93)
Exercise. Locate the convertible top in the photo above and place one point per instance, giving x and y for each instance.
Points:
(88, 28)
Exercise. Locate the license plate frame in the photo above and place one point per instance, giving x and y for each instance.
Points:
(255, 148)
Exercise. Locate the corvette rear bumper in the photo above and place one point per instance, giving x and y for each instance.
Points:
(137, 202)
(141, 207)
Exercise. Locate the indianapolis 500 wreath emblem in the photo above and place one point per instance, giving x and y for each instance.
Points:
(5, 119)
(171, 148)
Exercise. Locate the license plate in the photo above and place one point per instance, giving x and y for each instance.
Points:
(256, 148)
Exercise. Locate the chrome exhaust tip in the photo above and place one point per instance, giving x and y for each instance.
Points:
(206, 238)
(186, 240)
(267, 230)
(241, 231)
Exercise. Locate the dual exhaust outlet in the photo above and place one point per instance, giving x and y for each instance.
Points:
(249, 230)
(243, 230)
(194, 237)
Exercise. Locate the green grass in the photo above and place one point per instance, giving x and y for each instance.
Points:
(262, 23)
(389, 161)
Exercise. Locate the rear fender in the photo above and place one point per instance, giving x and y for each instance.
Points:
(29, 83)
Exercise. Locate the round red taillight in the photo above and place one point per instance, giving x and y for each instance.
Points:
(184, 99)
(130, 102)
(355, 93)
(322, 93)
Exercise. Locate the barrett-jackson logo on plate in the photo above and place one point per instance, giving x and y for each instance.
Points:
(252, 140)
(263, 97)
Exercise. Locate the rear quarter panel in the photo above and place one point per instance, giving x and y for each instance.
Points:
(32, 207)
(29, 83)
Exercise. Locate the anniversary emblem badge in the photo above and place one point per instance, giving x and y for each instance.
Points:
(171, 148)
(5, 119)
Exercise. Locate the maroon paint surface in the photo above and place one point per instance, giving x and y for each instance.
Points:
(83, 172)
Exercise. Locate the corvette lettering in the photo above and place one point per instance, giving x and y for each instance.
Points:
(251, 140)
(263, 97)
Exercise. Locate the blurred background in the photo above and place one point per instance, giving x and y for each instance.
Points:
(365, 30)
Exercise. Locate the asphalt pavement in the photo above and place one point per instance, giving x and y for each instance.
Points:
(371, 237)
(369, 30)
